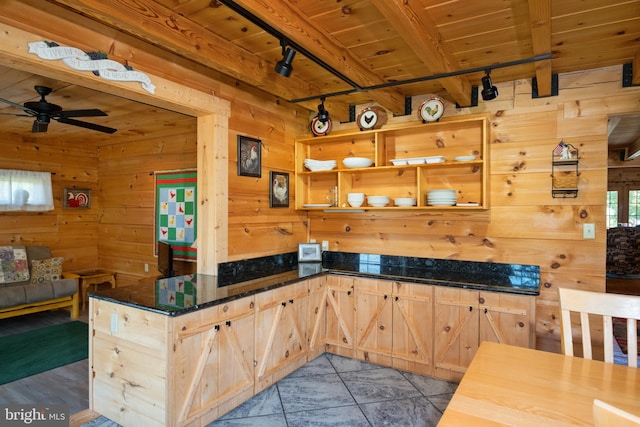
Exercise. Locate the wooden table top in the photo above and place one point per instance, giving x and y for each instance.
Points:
(515, 386)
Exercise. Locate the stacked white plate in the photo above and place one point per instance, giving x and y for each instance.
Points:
(320, 165)
(378, 201)
(441, 197)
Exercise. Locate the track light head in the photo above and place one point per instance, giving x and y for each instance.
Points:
(284, 67)
(323, 114)
(489, 91)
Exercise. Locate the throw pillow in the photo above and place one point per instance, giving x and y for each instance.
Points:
(44, 270)
(13, 264)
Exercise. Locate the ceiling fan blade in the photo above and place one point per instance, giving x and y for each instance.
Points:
(39, 127)
(15, 115)
(22, 107)
(93, 112)
(86, 125)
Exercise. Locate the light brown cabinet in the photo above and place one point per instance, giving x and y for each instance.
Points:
(460, 142)
(213, 361)
(281, 332)
(341, 315)
(317, 320)
(394, 324)
(463, 318)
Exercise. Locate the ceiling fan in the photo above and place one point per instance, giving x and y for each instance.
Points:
(44, 111)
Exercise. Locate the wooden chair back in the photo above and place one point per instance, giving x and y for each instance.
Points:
(605, 415)
(606, 305)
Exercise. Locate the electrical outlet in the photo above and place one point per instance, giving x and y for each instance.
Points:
(312, 240)
(588, 231)
(325, 245)
(114, 323)
(146, 268)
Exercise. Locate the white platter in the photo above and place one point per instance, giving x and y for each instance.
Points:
(435, 159)
(316, 205)
(464, 158)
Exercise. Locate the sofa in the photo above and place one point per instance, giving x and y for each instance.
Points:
(31, 280)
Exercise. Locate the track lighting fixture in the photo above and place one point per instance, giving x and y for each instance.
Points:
(323, 114)
(489, 91)
(284, 67)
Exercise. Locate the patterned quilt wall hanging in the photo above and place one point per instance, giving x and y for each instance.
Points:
(175, 212)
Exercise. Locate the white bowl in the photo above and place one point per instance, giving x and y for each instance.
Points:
(378, 201)
(355, 195)
(357, 162)
(405, 201)
(355, 203)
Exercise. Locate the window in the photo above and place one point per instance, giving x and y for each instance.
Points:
(25, 191)
(634, 208)
(612, 209)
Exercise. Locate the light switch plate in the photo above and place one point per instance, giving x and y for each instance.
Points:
(588, 231)
(325, 245)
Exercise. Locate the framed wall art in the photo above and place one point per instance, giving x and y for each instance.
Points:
(77, 198)
(279, 189)
(309, 252)
(176, 206)
(249, 156)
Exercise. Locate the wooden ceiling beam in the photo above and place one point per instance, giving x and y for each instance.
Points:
(292, 23)
(540, 23)
(420, 32)
(156, 24)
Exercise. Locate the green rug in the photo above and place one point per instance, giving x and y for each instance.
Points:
(29, 353)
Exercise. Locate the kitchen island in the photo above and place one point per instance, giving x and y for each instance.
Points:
(185, 350)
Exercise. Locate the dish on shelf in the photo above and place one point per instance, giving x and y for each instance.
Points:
(320, 165)
(468, 204)
(444, 197)
(378, 201)
(405, 201)
(464, 158)
(316, 205)
(398, 162)
(435, 159)
(416, 161)
(357, 162)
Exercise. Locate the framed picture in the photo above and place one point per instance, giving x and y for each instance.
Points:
(77, 198)
(249, 156)
(309, 252)
(278, 189)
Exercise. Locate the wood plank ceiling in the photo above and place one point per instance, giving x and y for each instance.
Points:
(354, 46)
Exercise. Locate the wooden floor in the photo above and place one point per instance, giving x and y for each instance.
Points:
(67, 385)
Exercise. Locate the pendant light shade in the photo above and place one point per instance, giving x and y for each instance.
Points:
(489, 91)
(284, 67)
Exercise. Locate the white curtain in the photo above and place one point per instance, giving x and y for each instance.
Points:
(25, 191)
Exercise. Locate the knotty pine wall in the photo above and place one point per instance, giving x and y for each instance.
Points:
(70, 233)
(525, 224)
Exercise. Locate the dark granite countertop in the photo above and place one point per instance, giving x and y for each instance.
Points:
(183, 294)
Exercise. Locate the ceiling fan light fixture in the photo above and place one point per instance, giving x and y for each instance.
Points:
(284, 67)
(489, 91)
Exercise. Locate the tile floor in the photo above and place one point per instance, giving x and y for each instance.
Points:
(336, 391)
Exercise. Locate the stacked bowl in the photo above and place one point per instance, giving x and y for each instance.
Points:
(320, 165)
(378, 201)
(355, 199)
(441, 197)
